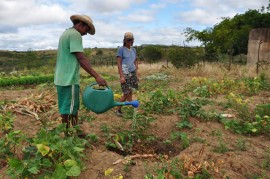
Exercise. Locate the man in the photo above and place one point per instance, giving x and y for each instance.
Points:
(70, 57)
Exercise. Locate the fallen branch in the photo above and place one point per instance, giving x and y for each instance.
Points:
(129, 158)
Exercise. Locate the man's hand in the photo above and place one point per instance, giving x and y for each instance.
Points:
(101, 81)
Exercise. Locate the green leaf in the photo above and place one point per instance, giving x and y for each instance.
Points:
(15, 163)
(74, 171)
(254, 130)
(60, 172)
(78, 149)
(69, 163)
(46, 162)
(33, 170)
(43, 149)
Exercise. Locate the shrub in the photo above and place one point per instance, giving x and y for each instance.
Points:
(183, 57)
(151, 53)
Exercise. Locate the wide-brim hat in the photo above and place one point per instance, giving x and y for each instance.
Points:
(87, 20)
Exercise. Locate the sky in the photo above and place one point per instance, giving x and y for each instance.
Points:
(37, 24)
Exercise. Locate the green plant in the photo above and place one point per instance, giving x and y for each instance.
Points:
(125, 139)
(221, 148)
(92, 137)
(105, 128)
(160, 102)
(241, 144)
(190, 107)
(216, 133)
(184, 124)
(176, 169)
(183, 57)
(258, 125)
(262, 109)
(49, 155)
(6, 122)
(202, 91)
(266, 161)
(240, 105)
(183, 138)
(151, 54)
(26, 80)
(9, 144)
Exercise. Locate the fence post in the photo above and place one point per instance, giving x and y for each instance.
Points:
(258, 62)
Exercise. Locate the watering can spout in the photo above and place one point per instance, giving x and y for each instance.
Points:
(134, 103)
(101, 100)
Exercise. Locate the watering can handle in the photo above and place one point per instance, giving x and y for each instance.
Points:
(95, 83)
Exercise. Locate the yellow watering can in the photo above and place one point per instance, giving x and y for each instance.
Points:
(100, 100)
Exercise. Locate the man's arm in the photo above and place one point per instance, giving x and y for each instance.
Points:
(84, 63)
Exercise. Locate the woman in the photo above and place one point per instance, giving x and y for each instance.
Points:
(127, 68)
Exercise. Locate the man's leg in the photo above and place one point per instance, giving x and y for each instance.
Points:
(69, 120)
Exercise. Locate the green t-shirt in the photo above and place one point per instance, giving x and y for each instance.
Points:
(67, 70)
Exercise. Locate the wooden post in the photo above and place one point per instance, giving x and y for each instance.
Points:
(258, 62)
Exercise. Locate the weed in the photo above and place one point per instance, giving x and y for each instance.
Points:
(198, 139)
(216, 132)
(184, 124)
(241, 144)
(266, 161)
(183, 138)
(222, 147)
(6, 122)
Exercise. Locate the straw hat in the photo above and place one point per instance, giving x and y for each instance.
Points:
(86, 19)
(128, 35)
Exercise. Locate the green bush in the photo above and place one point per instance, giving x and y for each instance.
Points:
(151, 54)
(183, 57)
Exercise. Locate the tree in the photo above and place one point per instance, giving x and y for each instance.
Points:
(231, 34)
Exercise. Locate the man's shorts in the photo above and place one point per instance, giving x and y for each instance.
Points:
(68, 99)
(130, 84)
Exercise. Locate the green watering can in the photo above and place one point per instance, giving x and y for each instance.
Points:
(100, 100)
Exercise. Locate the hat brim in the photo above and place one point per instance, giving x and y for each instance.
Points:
(85, 20)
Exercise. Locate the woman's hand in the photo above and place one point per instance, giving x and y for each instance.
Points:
(122, 79)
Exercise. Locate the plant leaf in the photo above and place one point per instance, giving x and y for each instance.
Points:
(60, 172)
(78, 149)
(74, 171)
(69, 163)
(43, 149)
(108, 171)
(33, 170)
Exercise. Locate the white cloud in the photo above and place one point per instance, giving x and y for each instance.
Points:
(37, 24)
(210, 12)
(17, 13)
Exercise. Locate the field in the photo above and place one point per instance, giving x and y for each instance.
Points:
(202, 122)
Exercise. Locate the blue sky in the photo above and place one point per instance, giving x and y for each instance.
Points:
(37, 24)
